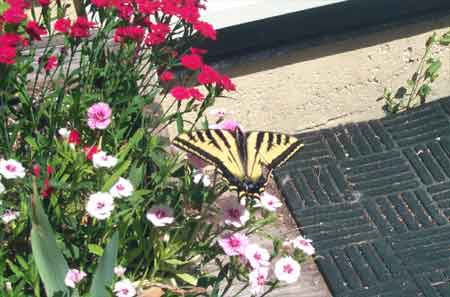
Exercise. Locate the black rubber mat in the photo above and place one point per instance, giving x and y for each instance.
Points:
(375, 199)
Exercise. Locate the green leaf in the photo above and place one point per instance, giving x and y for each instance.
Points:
(134, 140)
(103, 277)
(192, 280)
(180, 124)
(175, 262)
(445, 39)
(49, 260)
(3, 6)
(434, 67)
(95, 249)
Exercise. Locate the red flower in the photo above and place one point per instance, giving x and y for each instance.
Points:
(198, 51)
(62, 25)
(208, 75)
(166, 76)
(47, 190)
(80, 29)
(74, 137)
(192, 61)
(23, 4)
(14, 15)
(44, 2)
(90, 151)
(11, 40)
(49, 169)
(226, 83)
(147, 7)
(158, 33)
(34, 30)
(180, 93)
(129, 33)
(196, 94)
(189, 13)
(51, 64)
(36, 170)
(206, 29)
(101, 3)
(7, 54)
(124, 7)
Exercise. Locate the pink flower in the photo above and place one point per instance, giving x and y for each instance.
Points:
(180, 93)
(119, 271)
(11, 169)
(73, 277)
(304, 245)
(160, 215)
(100, 205)
(99, 116)
(269, 202)
(34, 30)
(257, 279)
(287, 270)
(124, 288)
(234, 244)
(226, 83)
(233, 213)
(257, 256)
(62, 25)
(74, 137)
(9, 215)
(122, 188)
(230, 125)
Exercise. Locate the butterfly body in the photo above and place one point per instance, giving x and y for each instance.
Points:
(244, 159)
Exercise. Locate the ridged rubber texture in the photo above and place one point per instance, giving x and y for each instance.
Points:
(375, 199)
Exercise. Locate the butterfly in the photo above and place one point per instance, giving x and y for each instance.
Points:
(245, 160)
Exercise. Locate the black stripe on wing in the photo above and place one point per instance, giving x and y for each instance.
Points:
(293, 148)
(207, 157)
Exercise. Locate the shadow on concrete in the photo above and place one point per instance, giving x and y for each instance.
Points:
(331, 44)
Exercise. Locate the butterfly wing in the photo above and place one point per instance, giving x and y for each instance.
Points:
(217, 147)
(268, 150)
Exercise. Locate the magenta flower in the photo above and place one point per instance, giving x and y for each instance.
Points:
(234, 244)
(230, 125)
(99, 116)
(160, 215)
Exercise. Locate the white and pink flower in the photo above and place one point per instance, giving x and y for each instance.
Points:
(160, 215)
(101, 159)
(257, 256)
(233, 213)
(99, 116)
(119, 271)
(73, 277)
(304, 245)
(64, 132)
(11, 169)
(234, 244)
(100, 205)
(257, 279)
(287, 270)
(122, 188)
(218, 112)
(124, 288)
(9, 215)
(269, 202)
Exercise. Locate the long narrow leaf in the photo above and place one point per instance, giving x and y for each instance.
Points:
(105, 270)
(49, 260)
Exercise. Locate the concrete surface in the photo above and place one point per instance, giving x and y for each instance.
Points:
(330, 81)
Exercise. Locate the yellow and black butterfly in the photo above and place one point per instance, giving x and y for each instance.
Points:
(244, 159)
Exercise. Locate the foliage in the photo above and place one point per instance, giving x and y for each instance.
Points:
(418, 87)
(87, 176)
